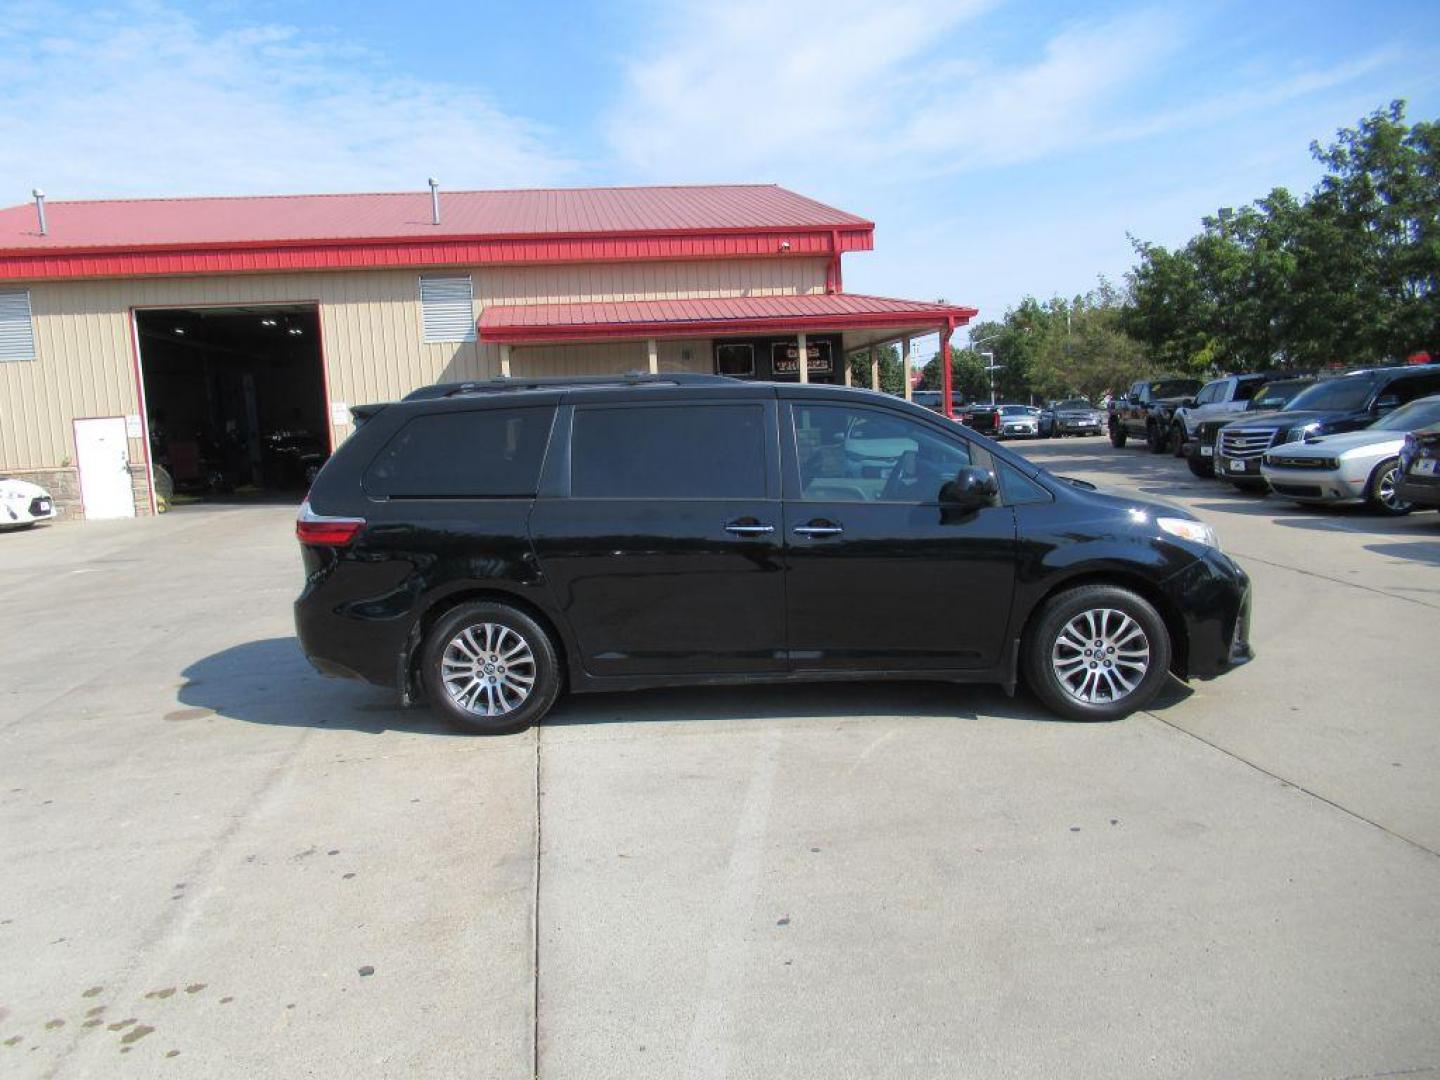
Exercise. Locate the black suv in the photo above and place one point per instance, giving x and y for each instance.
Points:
(1346, 403)
(489, 544)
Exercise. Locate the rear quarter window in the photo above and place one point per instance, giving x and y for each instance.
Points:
(480, 454)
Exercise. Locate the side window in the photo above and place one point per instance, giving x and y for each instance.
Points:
(1208, 393)
(482, 454)
(1245, 391)
(669, 452)
(1017, 488)
(1410, 389)
(849, 453)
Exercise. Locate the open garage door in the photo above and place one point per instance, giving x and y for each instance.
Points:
(234, 400)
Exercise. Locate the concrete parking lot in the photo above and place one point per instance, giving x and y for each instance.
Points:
(218, 864)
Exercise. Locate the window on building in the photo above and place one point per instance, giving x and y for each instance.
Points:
(447, 308)
(482, 454)
(785, 358)
(17, 328)
(735, 359)
(669, 452)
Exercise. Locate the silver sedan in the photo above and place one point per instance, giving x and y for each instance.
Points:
(1352, 467)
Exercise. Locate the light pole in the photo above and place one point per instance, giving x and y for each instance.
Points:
(992, 367)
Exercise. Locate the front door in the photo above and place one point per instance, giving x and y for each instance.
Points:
(878, 576)
(666, 556)
(102, 453)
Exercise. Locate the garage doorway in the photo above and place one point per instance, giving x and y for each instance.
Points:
(234, 401)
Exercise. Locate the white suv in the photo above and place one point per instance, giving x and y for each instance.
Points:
(1214, 400)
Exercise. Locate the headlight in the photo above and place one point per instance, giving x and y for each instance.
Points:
(1197, 532)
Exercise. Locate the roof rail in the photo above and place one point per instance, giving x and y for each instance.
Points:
(562, 382)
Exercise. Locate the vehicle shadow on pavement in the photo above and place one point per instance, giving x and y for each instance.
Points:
(1418, 551)
(270, 682)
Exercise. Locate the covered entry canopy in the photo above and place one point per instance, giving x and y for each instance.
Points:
(864, 320)
(861, 321)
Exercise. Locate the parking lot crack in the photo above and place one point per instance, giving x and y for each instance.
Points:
(1291, 783)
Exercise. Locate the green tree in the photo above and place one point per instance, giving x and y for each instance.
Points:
(892, 372)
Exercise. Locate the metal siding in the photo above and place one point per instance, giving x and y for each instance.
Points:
(370, 333)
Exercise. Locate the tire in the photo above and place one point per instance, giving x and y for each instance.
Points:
(1380, 493)
(1154, 439)
(460, 634)
(1175, 440)
(1118, 437)
(1052, 643)
(1202, 467)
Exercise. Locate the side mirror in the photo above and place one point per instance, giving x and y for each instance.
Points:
(1386, 403)
(1189, 403)
(972, 489)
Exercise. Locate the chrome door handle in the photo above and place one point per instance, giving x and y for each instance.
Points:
(817, 530)
(750, 530)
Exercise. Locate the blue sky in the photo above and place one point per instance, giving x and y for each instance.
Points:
(1002, 148)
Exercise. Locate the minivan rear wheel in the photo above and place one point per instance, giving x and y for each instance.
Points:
(1097, 652)
(490, 667)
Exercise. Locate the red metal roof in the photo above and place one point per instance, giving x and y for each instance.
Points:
(533, 323)
(129, 224)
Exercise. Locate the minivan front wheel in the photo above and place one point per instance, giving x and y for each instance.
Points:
(1097, 652)
(490, 667)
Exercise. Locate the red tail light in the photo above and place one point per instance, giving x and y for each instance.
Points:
(313, 528)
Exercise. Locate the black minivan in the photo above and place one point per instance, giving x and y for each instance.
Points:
(487, 545)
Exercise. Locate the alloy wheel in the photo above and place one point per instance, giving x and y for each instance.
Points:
(1387, 490)
(488, 669)
(1100, 656)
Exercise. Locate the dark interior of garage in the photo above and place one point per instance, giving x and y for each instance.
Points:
(235, 400)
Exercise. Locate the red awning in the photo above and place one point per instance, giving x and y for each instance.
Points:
(537, 323)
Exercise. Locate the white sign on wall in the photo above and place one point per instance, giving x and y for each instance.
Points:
(339, 413)
(133, 430)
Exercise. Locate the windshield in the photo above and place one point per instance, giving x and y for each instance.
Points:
(1073, 403)
(1418, 414)
(1014, 410)
(1336, 395)
(1174, 387)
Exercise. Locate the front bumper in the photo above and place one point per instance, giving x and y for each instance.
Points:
(26, 512)
(1213, 598)
(1315, 485)
(1020, 431)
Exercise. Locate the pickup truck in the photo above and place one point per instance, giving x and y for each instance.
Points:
(1146, 410)
(1217, 399)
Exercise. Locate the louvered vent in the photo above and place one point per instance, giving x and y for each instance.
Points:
(447, 306)
(17, 331)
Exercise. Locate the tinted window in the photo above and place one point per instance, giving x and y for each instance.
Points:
(1274, 395)
(1339, 395)
(1416, 386)
(490, 453)
(669, 452)
(849, 453)
(1018, 488)
(1174, 388)
(1245, 389)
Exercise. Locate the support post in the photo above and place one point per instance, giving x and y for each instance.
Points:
(652, 351)
(804, 351)
(849, 376)
(874, 368)
(505, 361)
(947, 377)
(905, 365)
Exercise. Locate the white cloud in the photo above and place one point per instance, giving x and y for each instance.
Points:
(739, 89)
(141, 100)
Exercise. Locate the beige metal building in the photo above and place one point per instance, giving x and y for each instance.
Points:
(224, 340)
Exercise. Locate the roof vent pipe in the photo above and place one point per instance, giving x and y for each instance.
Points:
(434, 201)
(40, 210)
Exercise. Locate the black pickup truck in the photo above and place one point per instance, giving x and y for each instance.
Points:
(1145, 410)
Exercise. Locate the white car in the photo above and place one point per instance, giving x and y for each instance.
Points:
(1019, 422)
(1354, 466)
(22, 504)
